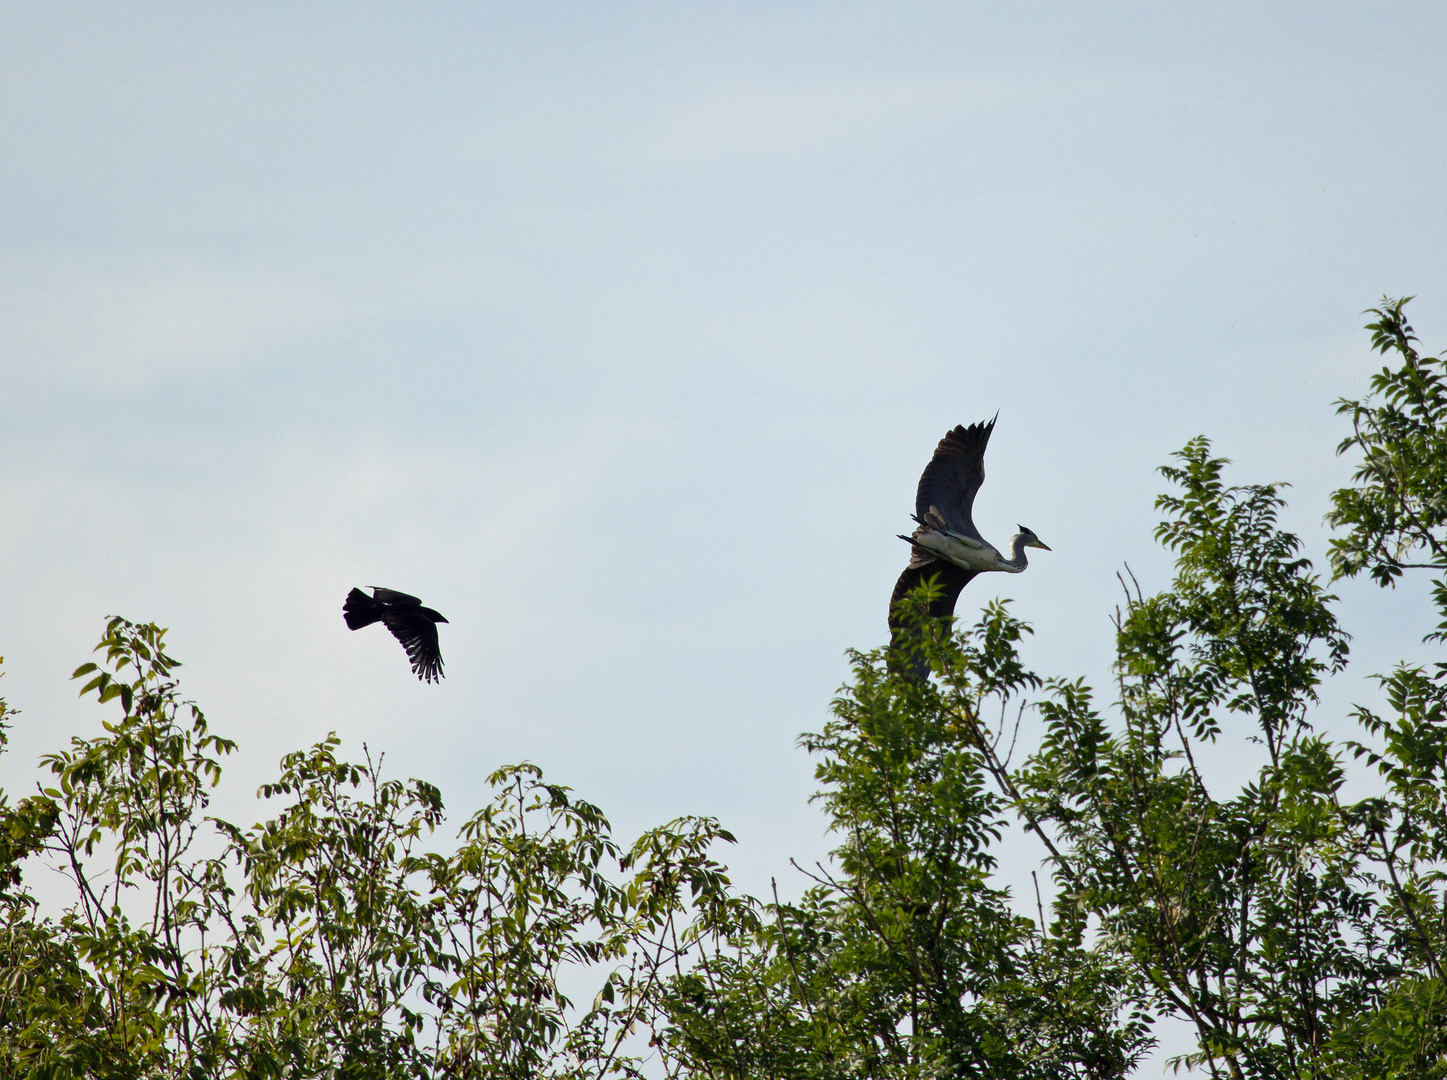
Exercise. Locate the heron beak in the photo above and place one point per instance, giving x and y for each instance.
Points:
(1037, 543)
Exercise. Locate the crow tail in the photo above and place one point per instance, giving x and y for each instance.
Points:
(360, 610)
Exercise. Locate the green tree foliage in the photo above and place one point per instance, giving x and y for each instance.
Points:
(905, 959)
(1395, 513)
(1243, 912)
(1298, 932)
(327, 941)
(1395, 517)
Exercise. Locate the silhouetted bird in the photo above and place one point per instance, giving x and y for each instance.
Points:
(946, 542)
(412, 624)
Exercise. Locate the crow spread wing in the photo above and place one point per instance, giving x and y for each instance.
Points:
(952, 477)
(393, 598)
(418, 635)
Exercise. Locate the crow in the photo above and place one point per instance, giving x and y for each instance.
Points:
(412, 624)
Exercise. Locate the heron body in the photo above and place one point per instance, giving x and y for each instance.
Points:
(971, 554)
(945, 541)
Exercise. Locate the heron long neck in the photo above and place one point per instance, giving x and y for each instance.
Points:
(1017, 560)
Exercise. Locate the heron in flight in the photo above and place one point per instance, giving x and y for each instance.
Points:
(412, 624)
(945, 542)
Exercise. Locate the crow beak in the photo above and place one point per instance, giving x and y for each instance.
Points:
(441, 619)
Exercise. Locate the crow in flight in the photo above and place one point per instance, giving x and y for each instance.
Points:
(412, 624)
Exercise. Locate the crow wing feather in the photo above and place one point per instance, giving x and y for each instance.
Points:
(394, 598)
(418, 635)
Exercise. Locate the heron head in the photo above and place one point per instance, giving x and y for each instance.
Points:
(1031, 540)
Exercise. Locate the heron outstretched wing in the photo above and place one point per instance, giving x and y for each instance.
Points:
(951, 579)
(952, 477)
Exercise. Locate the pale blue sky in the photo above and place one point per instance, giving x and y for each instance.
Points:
(620, 333)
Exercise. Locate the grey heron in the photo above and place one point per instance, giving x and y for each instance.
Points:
(412, 624)
(945, 542)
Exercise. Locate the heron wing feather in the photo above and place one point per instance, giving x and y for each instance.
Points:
(949, 482)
